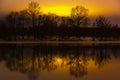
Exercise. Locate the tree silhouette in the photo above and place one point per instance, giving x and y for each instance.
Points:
(79, 16)
(23, 21)
(30, 24)
(12, 22)
(102, 22)
(34, 11)
(103, 25)
(48, 24)
(3, 29)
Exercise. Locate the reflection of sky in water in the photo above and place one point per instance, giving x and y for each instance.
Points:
(59, 63)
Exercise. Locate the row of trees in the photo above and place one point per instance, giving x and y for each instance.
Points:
(33, 24)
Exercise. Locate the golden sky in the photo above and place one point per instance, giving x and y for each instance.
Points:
(63, 7)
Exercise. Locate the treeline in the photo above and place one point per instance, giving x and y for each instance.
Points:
(32, 24)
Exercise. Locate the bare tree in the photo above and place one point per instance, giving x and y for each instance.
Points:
(34, 11)
(102, 22)
(79, 16)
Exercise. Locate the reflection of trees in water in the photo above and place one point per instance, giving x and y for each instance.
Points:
(101, 56)
(33, 59)
(77, 66)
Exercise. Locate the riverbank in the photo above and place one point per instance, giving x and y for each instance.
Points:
(59, 42)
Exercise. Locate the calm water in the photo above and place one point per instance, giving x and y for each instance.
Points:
(59, 62)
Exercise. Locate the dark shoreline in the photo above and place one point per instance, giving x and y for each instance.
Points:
(59, 42)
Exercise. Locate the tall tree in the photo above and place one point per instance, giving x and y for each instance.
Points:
(12, 22)
(79, 16)
(34, 11)
(23, 21)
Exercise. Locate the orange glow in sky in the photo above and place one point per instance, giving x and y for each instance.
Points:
(59, 10)
(63, 7)
(65, 10)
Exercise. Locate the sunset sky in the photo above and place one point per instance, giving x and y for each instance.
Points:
(62, 7)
